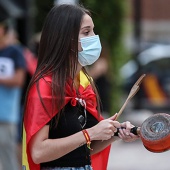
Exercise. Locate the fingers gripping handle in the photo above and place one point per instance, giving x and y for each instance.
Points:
(135, 130)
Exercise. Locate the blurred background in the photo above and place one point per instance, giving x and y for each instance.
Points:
(135, 36)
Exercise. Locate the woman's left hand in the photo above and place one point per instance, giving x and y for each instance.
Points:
(125, 134)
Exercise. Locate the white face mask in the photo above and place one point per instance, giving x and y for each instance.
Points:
(91, 50)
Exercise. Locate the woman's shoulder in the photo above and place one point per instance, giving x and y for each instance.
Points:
(42, 86)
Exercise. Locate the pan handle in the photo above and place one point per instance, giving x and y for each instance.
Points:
(135, 130)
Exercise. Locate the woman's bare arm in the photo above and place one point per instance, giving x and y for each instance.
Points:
(43, 149)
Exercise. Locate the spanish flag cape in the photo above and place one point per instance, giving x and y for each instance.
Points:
(35, 117)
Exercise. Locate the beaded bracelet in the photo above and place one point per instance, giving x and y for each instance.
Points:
(86, 135)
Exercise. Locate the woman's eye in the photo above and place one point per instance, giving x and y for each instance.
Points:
(86, 33)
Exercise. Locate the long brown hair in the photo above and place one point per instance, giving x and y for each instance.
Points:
(58, 49)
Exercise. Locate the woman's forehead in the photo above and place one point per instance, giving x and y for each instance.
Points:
(87, 21)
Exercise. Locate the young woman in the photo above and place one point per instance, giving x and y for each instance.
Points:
(62, 122)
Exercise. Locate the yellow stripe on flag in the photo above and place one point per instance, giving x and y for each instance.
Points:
(84, 80)
(24, 154)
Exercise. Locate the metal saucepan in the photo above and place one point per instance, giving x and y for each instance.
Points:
(155, 132)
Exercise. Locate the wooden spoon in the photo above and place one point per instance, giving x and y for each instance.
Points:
(133, 91)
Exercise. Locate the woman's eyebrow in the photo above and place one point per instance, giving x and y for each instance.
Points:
(85, 27)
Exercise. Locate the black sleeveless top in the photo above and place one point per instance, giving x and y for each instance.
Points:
(69, 124)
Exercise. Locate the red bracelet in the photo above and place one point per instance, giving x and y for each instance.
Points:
(86, 135)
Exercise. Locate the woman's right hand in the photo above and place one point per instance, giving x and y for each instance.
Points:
(105, 129)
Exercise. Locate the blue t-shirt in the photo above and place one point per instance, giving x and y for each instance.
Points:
(11, 58)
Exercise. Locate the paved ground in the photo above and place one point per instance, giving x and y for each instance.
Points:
(133, 156)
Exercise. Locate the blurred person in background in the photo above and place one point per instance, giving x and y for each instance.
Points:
(12, 78)
(31, 63)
